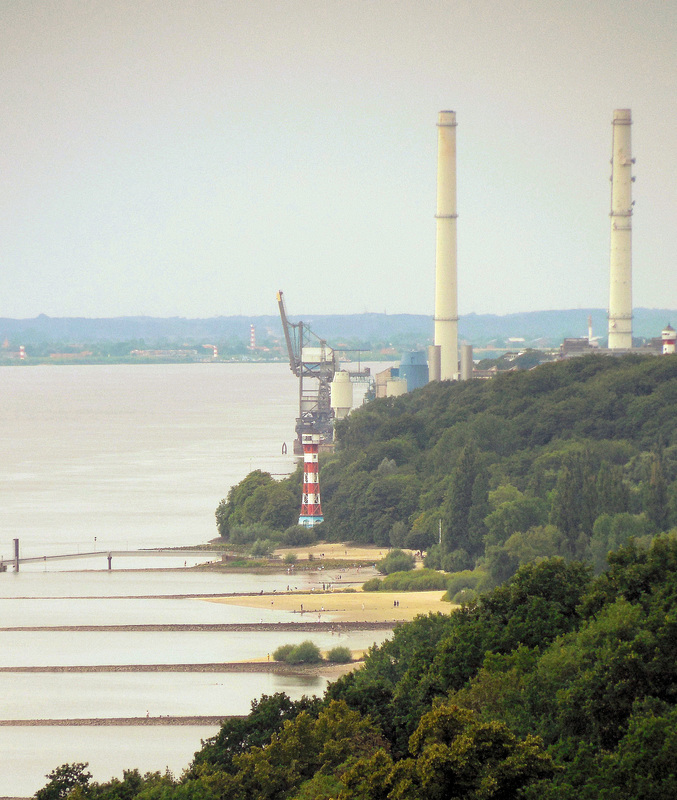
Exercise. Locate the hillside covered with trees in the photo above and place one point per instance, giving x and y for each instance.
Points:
(571, 459)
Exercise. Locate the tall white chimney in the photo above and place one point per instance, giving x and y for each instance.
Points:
(446, 302)
(620, 283)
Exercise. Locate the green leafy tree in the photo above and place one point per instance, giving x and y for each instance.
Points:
(514, 516)
(461, 528)
(396, 561)
(656, 493)
(453, 755)
(612, 491)
(302, 749)
(398, 534)
(236, 736)
(63, 780)
(231, 511)
(642, 767)
(574, 503)
(612, 531)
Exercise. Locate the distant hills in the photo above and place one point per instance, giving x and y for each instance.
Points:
(537, 328)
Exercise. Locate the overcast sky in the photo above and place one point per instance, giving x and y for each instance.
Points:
(184, 158)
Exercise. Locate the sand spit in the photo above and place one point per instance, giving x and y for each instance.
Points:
(348, 607)
(234, 627)
(116, 721)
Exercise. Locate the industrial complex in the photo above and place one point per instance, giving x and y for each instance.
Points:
(326, 391)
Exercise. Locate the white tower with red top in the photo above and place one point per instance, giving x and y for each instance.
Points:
(669, 337)
(311, 507)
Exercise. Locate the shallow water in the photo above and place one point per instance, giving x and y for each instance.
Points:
(125, 457)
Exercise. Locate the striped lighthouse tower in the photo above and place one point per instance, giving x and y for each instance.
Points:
(311, 507)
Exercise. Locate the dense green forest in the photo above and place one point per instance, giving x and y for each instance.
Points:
(557, 679)
(570, 459)
(554, 686)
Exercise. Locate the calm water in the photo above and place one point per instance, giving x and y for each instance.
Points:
(133, 455)
(125, 457)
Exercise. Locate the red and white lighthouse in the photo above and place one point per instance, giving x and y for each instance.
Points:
(669, 337)
(311, 507)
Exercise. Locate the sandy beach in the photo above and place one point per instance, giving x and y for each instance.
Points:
(351, 606)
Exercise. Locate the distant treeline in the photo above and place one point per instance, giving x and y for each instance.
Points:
(356, 330)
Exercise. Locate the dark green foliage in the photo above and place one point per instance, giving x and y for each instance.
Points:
(302, 749)
(656, 502)
(612, 531)
(259, 499)
(452, 755)
(514, 516)
(299, 536)
(236, 736)
(340, 655)
(63, 780)
(612, 491)
(419, 580)
(574, 503)
(396, 561)
(305, 653)
(643, 765)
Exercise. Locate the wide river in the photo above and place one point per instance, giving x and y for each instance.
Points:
(97, 458)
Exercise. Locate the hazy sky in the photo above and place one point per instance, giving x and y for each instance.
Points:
(184, 158)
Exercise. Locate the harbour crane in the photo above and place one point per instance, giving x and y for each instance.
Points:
(314, 363)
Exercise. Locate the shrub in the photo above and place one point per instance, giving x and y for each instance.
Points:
(262, 547)
(305, 653)
(420, 580)
(396, 561)
(340, 655)
(282, 652)
(246, 534)
(463, 597)
(456, 561)
(476, 579)
(299, 536)
(433, 558)
(291, 558)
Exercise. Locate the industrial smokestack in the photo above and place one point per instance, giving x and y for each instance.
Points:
(446, 303)
(466, 362)
(620, 274)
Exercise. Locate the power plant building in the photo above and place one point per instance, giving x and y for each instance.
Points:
(414, 369)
